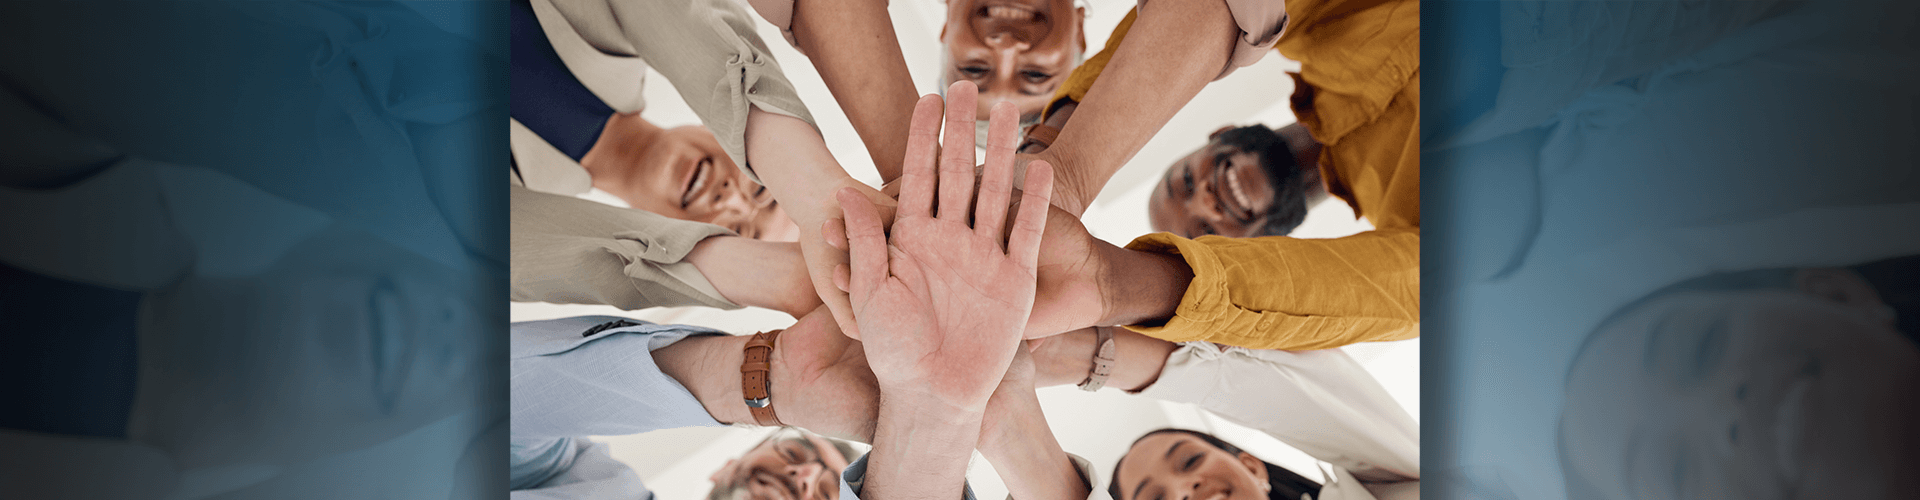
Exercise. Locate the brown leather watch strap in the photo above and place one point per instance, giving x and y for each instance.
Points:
(756, 378)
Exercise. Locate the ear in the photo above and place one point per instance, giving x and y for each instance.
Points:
(1080, 20)
(1842, 286)
(1254, 465)
(723, 474)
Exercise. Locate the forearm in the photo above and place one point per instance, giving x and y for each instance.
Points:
(920, 449)
(853, 46)
(1067, 359)
(1144, 287)
(750, 272)
(1171, 52)
(709, 367)
(792, 160)
(1016, 439)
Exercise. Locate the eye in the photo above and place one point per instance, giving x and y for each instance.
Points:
(1035, 76)
(974, 71)
(1191, 461)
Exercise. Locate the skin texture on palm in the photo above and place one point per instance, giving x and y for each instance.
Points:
(941, 302)
(937, 288)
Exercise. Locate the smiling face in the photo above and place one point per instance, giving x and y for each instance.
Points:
(1753, 394)
(684, 174)
(1014, 50)
(1217, 189)
(328, 351)
(791, 465)
(1179, 466)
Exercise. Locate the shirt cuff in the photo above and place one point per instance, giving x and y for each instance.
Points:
(1206, 303)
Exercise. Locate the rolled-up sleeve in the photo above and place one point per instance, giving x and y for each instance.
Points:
(707, 48)
(572, 251)
(1287, 293)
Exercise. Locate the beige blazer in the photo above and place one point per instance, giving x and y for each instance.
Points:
(567, 250)
(707, 49)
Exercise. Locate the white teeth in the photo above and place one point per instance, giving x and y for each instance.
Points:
(699, 178)
(1788, 423)
(1239, 195)
(1010, 13)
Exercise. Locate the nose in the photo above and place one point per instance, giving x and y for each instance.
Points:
(805, 475)
(1202, 204)
(1004, 41)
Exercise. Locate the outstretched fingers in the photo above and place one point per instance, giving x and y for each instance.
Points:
(867, 245)
(996, 181)
(956, 156)
(1023, 242)
(918, 169)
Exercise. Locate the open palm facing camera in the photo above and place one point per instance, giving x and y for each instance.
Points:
(942, 302)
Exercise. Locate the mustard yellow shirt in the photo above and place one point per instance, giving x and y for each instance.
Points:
(1358, 93)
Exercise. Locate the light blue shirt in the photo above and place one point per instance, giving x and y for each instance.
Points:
(567, 386)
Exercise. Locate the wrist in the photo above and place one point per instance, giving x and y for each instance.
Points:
(709, 367)
(1146, 287)
(1064, 359)
(1141, 360)
(918, 452)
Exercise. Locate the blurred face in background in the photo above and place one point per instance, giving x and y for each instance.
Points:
(346, 342)
(1014, 50)
(1748, 394)
(791, 465)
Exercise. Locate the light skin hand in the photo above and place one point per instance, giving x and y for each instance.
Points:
(947, 301)
(820, 378)
(941, 302)
(792, 160)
